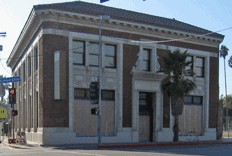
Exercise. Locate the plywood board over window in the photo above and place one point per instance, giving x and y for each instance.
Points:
(191, 116)
(86, 124)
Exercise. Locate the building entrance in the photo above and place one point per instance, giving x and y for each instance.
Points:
(145, 117)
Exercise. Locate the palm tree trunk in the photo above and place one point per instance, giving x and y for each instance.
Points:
(176, 129)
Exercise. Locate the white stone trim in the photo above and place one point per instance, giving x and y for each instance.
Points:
(180, 34)
(119, 116)
(25, 28)
(137, 86)
(34, 43)
(199, 53)
(71, 88)
(57, 75)
(206, 97)
(77, 35)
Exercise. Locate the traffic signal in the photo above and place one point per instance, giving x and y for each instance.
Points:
(102, 1)
(94, 111)
(14, 112)
(12, 95)
(94, 91)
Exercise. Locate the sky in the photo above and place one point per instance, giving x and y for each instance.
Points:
(213, 15)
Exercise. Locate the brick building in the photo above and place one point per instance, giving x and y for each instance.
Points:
(57, 54)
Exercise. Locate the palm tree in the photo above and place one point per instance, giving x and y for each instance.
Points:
(176, 85)
(223, 53)
(230, 61)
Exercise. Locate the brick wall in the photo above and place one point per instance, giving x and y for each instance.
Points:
(213, 91)
(129, 59)
(55, 112)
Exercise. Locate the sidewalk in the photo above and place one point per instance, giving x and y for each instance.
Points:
(118, 145)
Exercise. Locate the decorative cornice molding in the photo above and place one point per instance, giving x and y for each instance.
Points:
(132, 24)
(48, 14)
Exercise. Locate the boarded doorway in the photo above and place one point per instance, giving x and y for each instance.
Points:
(145, 117)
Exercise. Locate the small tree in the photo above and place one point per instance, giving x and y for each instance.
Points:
(176, 85)
(4, 86)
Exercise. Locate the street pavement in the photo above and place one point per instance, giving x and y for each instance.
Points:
(203, 150)
(217, 148)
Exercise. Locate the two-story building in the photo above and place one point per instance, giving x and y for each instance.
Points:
(57, 55)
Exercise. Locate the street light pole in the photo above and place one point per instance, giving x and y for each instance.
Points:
(101, 17)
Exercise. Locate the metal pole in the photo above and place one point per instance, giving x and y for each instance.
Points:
(13, 122)
(100, 75)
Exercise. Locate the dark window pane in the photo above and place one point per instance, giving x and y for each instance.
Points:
(93, 48)
(142, 95)
(188, 67)
(77, 58)
(110, 50)
(24, 71)
(199, 62)
(109, 62)
(146, 54)
(87, 93)
(142, 102)
(199, 72)
(78, 46)
(145, 66)
(188, 99)
(93, 60)
(79, 93)
(107, 94)
(189, 58)
(197, 100)
(36, 58)
(29, 65)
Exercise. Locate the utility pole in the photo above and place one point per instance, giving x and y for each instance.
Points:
(101, 17)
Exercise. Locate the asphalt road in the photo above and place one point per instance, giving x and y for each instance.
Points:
(205, 150)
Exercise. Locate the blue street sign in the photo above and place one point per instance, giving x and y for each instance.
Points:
(10, 79)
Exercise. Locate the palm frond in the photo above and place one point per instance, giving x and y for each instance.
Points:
(223, 51)
(176, 85)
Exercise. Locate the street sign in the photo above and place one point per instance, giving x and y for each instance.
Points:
(10, 79)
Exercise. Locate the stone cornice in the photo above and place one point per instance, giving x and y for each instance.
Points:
(174, 33)
(60, 16)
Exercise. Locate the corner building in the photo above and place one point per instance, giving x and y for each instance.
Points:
(57, 55)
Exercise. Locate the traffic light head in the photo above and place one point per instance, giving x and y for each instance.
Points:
(14, 112)
(12, 95)
(94, 111)
(94, 90)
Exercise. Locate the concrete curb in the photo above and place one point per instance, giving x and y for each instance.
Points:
(163, 144)
(133, 145)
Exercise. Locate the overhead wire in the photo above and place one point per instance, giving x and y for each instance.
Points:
(171, 40)
(4, 67)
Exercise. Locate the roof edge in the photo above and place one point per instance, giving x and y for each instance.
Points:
(29, 19)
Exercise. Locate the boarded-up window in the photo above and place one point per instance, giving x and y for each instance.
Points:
(191, 117)
(108, 95)
(81, 93)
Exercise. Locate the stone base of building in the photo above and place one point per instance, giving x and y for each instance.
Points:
(56, 136)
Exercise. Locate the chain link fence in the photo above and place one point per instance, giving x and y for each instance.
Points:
(225, 127)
